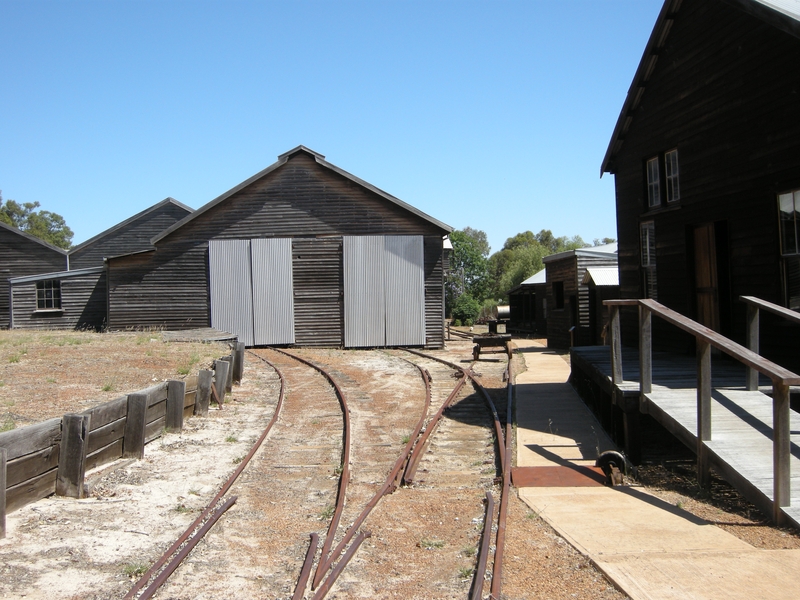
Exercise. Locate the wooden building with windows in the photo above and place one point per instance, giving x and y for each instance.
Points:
(706, 160)
(302, 253)
(528, 306)
(22, 254)
(76, 298)
(571, 308)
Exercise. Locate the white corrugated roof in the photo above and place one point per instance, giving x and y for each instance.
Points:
(540, 277)
(790, 8)
(601, 276)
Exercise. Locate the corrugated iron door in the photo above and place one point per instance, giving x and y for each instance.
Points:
(231, 288)
(404, 289)
(364, 302)
(273, 301)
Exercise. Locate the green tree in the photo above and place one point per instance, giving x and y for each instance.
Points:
(466, 309)
(46, 225)
(468, 263)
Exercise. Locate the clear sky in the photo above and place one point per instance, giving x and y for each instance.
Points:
(493, 114)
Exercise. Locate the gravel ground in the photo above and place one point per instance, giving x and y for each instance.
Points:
(94, 548)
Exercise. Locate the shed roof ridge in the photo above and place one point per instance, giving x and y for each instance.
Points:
(777, 13)
(129, 220)
(282, 160)
(33, 238)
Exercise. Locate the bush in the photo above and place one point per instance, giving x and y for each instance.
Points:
(466, 309)
(457, 323)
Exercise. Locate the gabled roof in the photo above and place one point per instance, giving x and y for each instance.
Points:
(132, 219)
(282, 160)
(540, 277)
(33, 238)
(601, 276)
(782, 14)
(604, 251)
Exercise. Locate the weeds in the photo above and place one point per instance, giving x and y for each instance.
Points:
(231, 439)
(326, 513)
(7, 425)
(182, 509)
(14, 358)
(465, 572)
(405, 439)
(134, 569)
(469, 551)
(430, 544)
(238, 459)
(108, 386)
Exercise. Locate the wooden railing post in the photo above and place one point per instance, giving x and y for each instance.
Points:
(72, 455)
(752, 344)
(616, 344)
(703, 412)
(204, 383)
(781, 450)
(3, 460)
(221, 378)
(238, 362)
(133, 440)
(645, 350)
(176, 397)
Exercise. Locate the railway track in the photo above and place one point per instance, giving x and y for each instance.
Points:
(425, 537)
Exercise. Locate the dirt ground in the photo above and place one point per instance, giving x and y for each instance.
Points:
(95, 548)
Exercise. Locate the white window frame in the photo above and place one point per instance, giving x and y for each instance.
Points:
(647, 240)
(653, 183)
(671, 173)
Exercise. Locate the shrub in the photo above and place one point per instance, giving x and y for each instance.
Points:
(466, 309)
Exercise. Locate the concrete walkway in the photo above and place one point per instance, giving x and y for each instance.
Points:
(647, 547)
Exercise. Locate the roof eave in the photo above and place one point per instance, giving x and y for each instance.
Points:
(33, 238)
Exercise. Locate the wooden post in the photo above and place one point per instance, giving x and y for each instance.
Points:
(645, 351)
(3, 460)
(616, 345)
(781, 451)
(238, 362)
(133, 440)
(72, 455)
(176, 396)
(221, 368)
(752, 344)
(229, 378)
(703, 412)
(204, 382)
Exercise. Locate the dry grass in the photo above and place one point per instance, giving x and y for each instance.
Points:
(49, 373)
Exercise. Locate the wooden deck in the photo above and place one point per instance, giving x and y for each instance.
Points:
(741, 445)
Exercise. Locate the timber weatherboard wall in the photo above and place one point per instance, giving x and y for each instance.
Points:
(723, 92)
(83, 301)
(132, 235)
(301, 197)
(22, 254)
(569, 269)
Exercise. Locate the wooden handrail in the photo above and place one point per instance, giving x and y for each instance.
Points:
(706, 338)
(781, 311)
(776, 373)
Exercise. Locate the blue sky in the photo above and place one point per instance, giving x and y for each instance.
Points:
(493, 115)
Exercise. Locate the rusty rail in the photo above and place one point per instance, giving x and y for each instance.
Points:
(223, 490)
(483, 555)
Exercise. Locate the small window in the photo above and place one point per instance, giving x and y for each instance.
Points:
(653, 183)
(48, 295)
(671, 173)
(558, 294)
(648, 256)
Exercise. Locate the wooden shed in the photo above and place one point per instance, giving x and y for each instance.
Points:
(706, 160)
(302, 253)
(131, 235)
(76, 298)
(528, 305)
(568, 298)
(23, 254)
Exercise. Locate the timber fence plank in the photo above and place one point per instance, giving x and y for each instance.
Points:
(133, 446)
(221, 368)
(176, 397)
(31, 490)
(31, 465)
(108, 412)
(103, 436)
(31, 438)
(3, 454)
(104, 455)
(204, 383)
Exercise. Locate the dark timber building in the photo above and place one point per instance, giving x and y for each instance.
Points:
(301, 253)
(22, 254)
(706, 160)
(53, 298)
